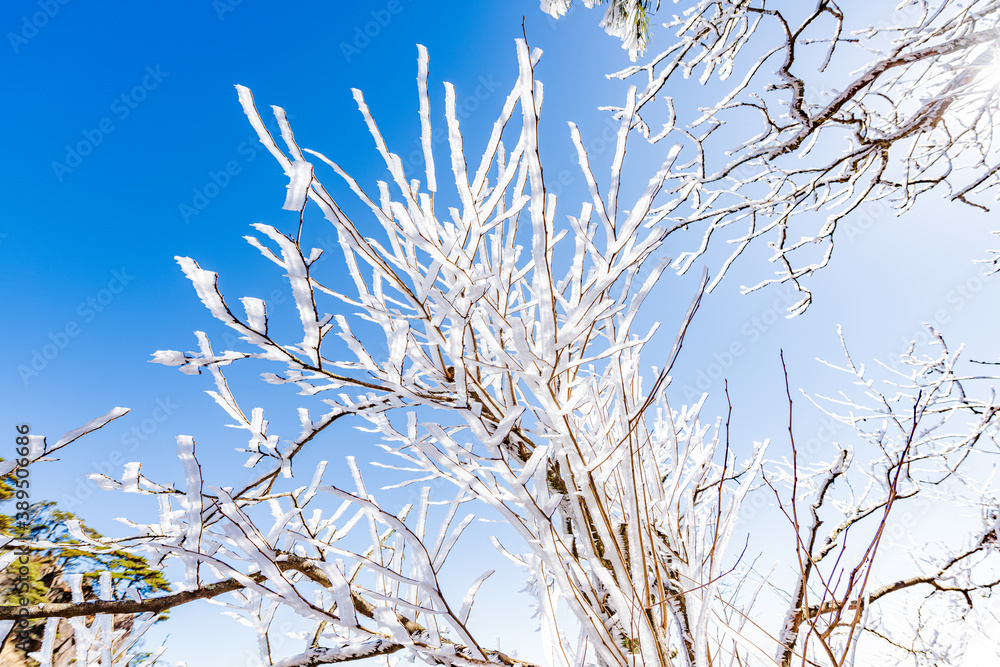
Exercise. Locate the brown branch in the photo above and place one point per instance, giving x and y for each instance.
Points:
(804, 547)
(872, 75)
(832, 606)
(165, 602)
(155, 605)
(289, 562)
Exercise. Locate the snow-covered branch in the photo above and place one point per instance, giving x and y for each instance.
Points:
(834, 112)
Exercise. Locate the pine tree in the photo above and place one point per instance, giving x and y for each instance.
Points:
(626, 19)
(47, 525)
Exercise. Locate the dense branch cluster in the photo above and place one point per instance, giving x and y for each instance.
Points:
(819, 120)
(509, 376)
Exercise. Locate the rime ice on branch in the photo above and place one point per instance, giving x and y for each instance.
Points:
(823, 110)
(512, 377)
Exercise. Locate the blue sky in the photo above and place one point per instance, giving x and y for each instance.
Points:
(123, 114)
(132, 148)
(126, 146)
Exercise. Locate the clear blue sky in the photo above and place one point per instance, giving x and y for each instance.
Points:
(125, 146)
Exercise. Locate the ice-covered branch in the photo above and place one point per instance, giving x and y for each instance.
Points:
(816, 141)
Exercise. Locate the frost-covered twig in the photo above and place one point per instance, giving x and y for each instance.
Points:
(838, 112)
